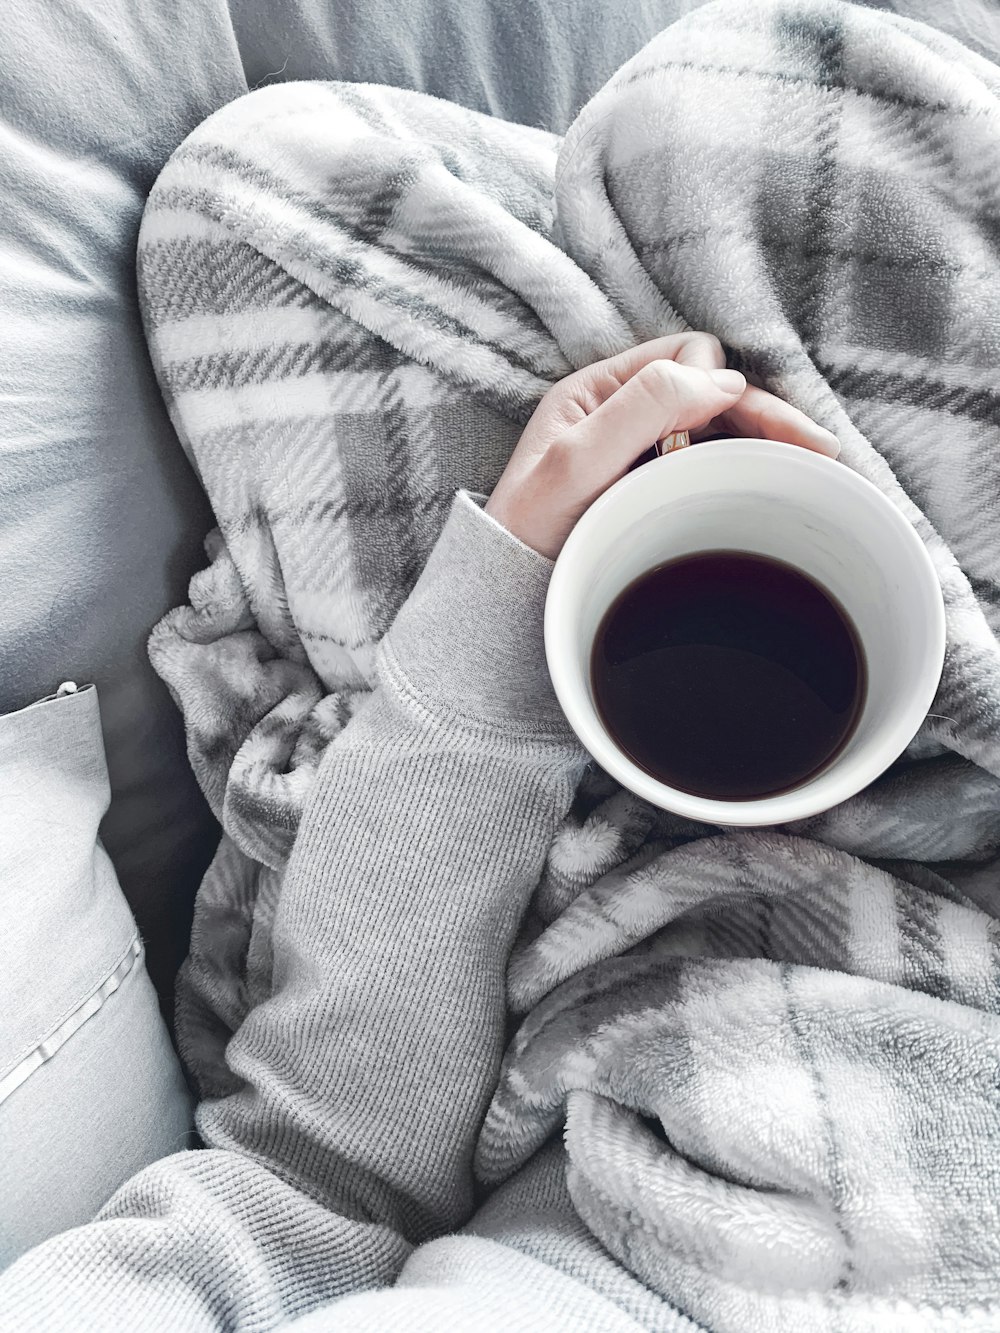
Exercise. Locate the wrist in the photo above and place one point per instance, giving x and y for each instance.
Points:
(469, 641)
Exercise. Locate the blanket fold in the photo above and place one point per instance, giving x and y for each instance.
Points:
(775, 1052)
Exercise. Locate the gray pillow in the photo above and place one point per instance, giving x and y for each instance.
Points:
(90, 1088)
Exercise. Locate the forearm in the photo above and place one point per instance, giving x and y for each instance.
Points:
(369, 1070)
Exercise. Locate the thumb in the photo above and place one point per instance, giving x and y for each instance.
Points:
(659, 399)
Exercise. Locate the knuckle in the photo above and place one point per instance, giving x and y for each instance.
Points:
(560, 387)
(551, 400)
(712, 346)
(592, 385)
(657, 378)
(560, 454)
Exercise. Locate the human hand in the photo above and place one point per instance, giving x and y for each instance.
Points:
(592, 426)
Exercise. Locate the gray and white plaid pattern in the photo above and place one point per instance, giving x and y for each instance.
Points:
(354, 296)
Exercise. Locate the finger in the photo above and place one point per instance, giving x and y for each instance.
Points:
(760, 415)
(660, 398)
(692, 348)
(702, 350)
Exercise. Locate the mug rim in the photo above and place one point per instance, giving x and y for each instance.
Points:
(800, 802)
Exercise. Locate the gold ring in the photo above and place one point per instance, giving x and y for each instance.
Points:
(680, 439)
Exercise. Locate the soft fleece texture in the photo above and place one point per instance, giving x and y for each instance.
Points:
(756, 1085)
(101, 515)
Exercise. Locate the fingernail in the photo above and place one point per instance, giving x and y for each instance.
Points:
(825, 440)
(729, 381)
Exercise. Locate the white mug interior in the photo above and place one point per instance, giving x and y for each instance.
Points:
(779, 501)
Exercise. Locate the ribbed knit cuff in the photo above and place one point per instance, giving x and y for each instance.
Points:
(468, 643)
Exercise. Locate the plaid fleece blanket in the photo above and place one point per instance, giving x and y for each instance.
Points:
(354, 297)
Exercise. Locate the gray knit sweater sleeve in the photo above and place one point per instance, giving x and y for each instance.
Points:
(366, 1073)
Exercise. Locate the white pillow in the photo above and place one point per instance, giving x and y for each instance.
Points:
(90, 1088)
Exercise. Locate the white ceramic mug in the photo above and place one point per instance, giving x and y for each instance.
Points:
(776, 500)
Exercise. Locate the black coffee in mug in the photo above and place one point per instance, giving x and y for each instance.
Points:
(728, 675)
